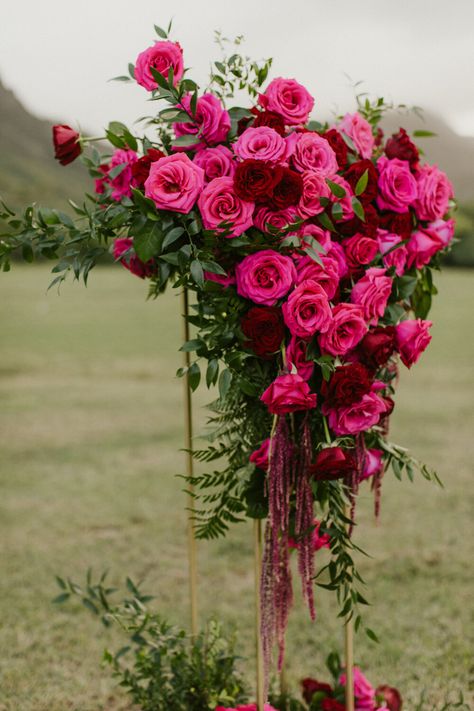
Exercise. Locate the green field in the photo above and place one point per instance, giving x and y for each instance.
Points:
(90, 432)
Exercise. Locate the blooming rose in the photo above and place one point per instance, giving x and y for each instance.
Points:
(296, 356)
(424, 243)
(267, 220)
(288, 393)
(121, 184)
(141, 168)
(289, 99)
(307, 310)
(325, 273)
(66, 144)
(124, 245)
(393, 256)
(345, 201)
(356, 171)
(216, 162)
(211, 122)
(372, 293)
(337, 253)
(442, 230)
(397, 187)
(255, 179)
(313, 152)
(339, 146)
(174, 183)
(287, 190)
(401, 223)
(265, 277)
(412, 338)
(434, 193)
(316, 232)
(332, 463)
(348, 384)
(359, 250)
(373, 463)
(391, 697)
(364, 692)
(263, 327)
(314, 188)
(346, 329)
(260, 457)
(271, 119)
(262, 143)
(360, 131)
(358, 417)
(161, 56)
(401, 146)
(219, 203)
(367, 227)
(377, 346)
(311, 686)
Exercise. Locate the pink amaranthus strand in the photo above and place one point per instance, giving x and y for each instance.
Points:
(304, 518)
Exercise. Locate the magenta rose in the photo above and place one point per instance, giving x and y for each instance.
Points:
(360, 132)
(412, 337)
(337, 253)
(174, 183)
(372, 293)
(307, 310)
(358, 416)
(123, 253)
(373, 463)
(260, 457)
(262, 143)
(219, 203)
(397, 186)
(289, 99)
(121, 184)
(296, 357)
(314, 188)
(423, 245)
(313, 152)
(314, 232)
(66, 141)
(442, 230)
(265, 277)
(288, 393)
(360, 251)
(211, 121)
(392, 255)
(224, 281)
(325, 273)
(346, 330)
(217, 162)
(364, 692)
(265, 218)
(345, 202)
(162, 56)
(434, 193)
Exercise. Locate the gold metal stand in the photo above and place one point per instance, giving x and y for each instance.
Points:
(349, 653)
(257, 527)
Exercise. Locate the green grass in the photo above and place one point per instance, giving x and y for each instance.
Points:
(90, 435)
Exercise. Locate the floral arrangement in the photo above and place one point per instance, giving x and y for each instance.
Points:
(310, 248)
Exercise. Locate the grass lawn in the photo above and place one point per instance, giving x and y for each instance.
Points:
(89, 437)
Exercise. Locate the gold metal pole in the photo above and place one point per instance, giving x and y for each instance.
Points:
(257, 527)
(188, 443)
(349, 652)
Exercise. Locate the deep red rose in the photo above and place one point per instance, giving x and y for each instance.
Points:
(338, 145)
(332, 705)
(332, 463)
(103, 181)
(359, 250)
(271, 119)
(401, 223)
(390, 405)
(356, 171)
(348, 384)
(391, 696)
(311, 686)
(379, 134)
(141, 168)
(401, 146)
(367, 227)
(288, 190)
(263, 327)
(254, 180)
(377, 346)
(66, 144)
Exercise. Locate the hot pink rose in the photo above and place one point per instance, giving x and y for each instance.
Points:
(289, 99)
(288, 393)
(224, 281)
(265, 277)
(373, 463)
(424, 243)
(412, 337)
(397, 186)
(216, 162)
(434, 193)
(218, 203)
(357, 417)
(320, 540)
(296, 356)
(174, 183)
(262, 143)
(360, 131)
(346, 330)
(130, 261)
(307, 310)
(278, 219)
(260, 456)
(364, 692)
(313, 152)
(344, 202)
(360, 251)
(337, 253)
(314, 188)
(442, 229)
(121, 184)
(161, 56)
(211, 121)
(372, 293)
(393, 256)
(310, 232)
(325, 273)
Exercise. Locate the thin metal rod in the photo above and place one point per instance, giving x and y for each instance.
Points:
(257, 528)
(188, 444)
(349, 652)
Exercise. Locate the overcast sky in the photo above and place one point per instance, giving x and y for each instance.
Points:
(58, 55)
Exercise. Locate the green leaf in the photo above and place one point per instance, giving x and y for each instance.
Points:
(197, 272)
(212, 372)
(336, 211)
(61, 598)
(362, 183)
(336, 189)
(424, 134)
(185, 141)
(159, 78)
(194, 376)
(371, 635)
(225, 380)
(172, 236)
(325, 221)
(192, 345)
(148, 243)
(358, 209)
(121, 78)
(160, 32)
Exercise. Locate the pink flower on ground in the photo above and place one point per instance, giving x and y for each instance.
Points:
(265, 277)
(313, 152)
(412, 338)
(325, 273)
(130, 261)
(121, 184)
(307, 310)
(296, 357)
(314, 188)
(434, 193)
(260, 456)
(357, 417)
(262, 143)
(216, 162)
(174, 183)
(211, 121)
(397, 185)
(219, 203)
(346, 330)
(372, 293)
(278, 219)
(373, 463)
(288, 393)
(289, 99)
(161, 56)
(397, 256)
(360, 132)
(364, 692)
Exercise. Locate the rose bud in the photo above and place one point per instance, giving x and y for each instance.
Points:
(390, 696)
(271, 119)
(332, 463)
(311, 686)
(401, 146)
(66, 144)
